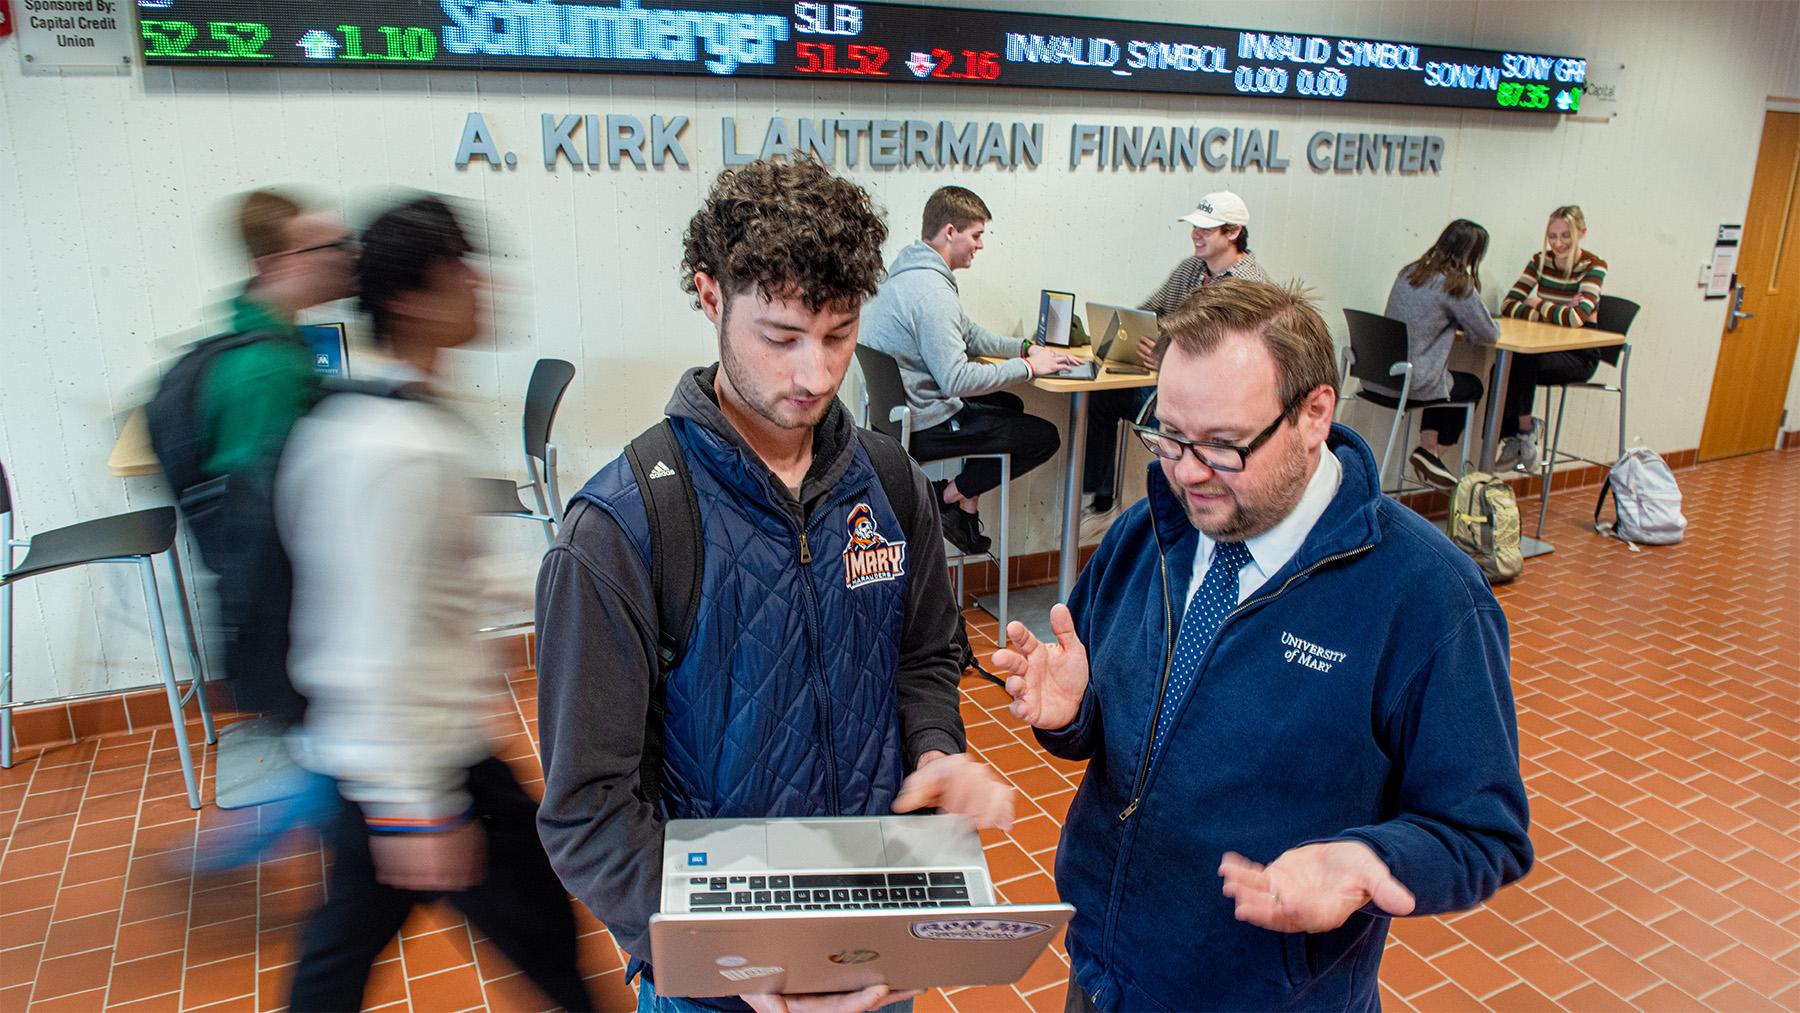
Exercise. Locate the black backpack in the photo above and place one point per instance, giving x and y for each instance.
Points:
(231, 519)
(676, 564)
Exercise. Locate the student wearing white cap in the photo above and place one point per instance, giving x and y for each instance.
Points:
(1221, 234)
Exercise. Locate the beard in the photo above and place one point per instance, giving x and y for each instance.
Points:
(1262, 510)
(770, 406)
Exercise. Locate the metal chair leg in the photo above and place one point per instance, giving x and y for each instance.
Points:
(1400, 418)
(1120, 431)
(6, 658)
(160, 634)
(1562, 408)
(1462, 466)
(543, 502)
(193, 646)
(1005, 560)
(1624, 368)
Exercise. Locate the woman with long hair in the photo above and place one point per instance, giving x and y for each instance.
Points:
(1435, 296)
(1560, 285)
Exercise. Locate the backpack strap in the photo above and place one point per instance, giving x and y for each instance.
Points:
(894, 466)
(1600, 504)
(673, 512)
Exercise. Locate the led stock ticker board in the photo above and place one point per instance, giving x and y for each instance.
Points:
(850, 42)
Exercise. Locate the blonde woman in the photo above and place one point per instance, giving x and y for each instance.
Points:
(1560, 285)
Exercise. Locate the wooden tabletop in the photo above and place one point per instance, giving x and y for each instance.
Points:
(131, 456)
(1107, 380)
(1536, 336)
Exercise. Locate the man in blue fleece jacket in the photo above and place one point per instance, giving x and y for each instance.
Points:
(1292, 693)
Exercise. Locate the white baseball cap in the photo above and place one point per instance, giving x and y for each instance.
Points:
(1216, 209)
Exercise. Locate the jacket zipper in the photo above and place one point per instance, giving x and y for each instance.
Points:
(1162, 562)
(1137, 794)
(818, 669)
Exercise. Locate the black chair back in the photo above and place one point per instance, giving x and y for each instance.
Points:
(881, 378)
(1615, 315)
(543, 394)
(1377, 343)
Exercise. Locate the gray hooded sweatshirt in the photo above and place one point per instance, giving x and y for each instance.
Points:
(917, 318)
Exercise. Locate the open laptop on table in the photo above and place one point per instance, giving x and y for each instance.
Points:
(1117, 331)
(835, 905)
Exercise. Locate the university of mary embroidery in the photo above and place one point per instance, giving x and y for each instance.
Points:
(868, 557)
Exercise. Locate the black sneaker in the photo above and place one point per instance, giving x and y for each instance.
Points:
(963, 530)
(1431, 469)
(1103, 504)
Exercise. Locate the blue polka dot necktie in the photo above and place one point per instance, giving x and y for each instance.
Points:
(1217, 596)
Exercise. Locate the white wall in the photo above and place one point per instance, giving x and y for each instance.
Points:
(113, 240)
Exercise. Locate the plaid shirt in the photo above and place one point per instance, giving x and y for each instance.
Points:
(1192, 273)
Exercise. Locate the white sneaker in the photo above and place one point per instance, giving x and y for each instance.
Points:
(1508, 458)
(1528, 450)
(1094, 527)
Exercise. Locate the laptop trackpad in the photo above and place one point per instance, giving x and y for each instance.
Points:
(826, 844)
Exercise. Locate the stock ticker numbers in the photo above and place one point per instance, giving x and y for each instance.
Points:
(857, 61)
(869, 41)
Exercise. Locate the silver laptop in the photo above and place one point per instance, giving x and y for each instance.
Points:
(834, 905)
(1116, 333)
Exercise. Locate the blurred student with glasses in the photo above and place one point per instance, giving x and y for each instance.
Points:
(1291, 691)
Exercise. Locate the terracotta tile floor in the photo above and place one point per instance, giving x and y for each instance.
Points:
(1658, 715)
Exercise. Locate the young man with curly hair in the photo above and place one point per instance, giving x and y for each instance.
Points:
(805, 689)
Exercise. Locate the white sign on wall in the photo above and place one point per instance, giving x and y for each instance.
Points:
(1600, 93)
(54, 34)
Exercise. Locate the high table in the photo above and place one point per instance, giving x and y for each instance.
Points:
(1529, 337)
(1032, 605)
(131, 456)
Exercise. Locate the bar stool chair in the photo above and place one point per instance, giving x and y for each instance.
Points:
(499, 497)
(133, 539)
(1378, 352)
(885, 411)
(1613, 315)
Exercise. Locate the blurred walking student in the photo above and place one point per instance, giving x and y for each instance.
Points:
(1560, 285)
(371, 502)
(1435, 296)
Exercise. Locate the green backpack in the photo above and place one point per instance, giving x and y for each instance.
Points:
(1484, 522)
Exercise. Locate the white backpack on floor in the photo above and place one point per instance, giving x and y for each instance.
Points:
(1646, 501)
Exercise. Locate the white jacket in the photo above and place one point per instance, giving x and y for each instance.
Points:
(372, 500)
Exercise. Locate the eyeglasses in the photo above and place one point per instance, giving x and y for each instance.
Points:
(1225, 457)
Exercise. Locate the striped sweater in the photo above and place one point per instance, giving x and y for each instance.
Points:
(1569, 300)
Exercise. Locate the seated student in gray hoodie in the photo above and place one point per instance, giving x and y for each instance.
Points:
(917, 318)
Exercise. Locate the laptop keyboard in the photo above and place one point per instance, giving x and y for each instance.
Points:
(827, 891)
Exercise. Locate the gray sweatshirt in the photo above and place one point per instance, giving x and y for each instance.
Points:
(1432, 317)
(917, 318)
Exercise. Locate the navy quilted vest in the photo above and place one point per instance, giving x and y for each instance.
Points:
(784, 704)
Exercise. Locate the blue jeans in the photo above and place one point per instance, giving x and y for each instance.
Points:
(650, 1002)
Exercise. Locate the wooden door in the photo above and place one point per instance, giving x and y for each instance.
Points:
(1756, 357)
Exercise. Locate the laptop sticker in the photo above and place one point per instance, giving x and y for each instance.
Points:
(731, 961)
(977, 930)
(853, 956)
(746, 973)
(696, 859)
